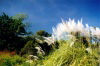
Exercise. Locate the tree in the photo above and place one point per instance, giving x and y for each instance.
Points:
(10, 29)
(43, 33)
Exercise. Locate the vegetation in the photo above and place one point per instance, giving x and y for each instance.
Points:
(7, 60)
(43, 33)
(10, 29)
(19, 48)
(71, 56)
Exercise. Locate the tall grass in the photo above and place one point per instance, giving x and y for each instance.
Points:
(71, 56)
(8, 60)
(80, 53)
(63, 56)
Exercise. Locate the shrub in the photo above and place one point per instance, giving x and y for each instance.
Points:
(29, 48)
(7, 60)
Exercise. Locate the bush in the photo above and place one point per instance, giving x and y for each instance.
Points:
(7, 60)
(29, 48)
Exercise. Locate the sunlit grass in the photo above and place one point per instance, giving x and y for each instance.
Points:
(71, 56)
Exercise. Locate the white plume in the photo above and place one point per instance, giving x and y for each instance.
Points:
(63, 29)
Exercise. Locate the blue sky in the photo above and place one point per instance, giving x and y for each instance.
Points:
(44, 14)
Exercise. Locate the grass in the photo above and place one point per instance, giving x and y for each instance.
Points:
(8, 60)
(71, 56)
(64, 56)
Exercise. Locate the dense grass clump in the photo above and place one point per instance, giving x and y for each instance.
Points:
(7, 60)
(71, 56)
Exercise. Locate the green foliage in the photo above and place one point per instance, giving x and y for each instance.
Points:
(29, 48)
(43, 33)
(20, 16)
(61, 53)
(63, 56)
(25, 64)
(36, 41)
(10, 26)
(11, 60)
(10, 29)
(71, 56)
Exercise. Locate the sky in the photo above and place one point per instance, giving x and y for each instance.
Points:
(45, 14)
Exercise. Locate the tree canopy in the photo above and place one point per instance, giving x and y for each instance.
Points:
(43, 33)
(10, 29)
